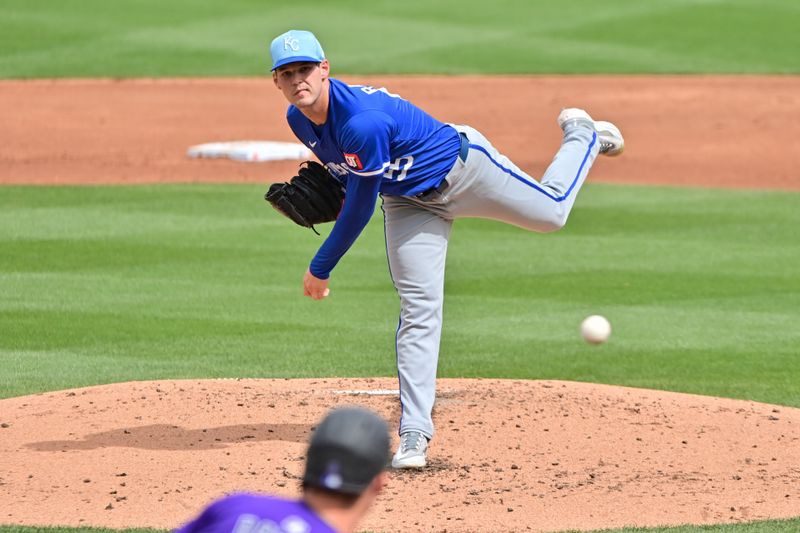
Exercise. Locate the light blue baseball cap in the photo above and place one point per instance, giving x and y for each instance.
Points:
(294, 46)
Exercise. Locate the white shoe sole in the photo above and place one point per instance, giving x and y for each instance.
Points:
(417, 461)
(607, 131)
(611, 134)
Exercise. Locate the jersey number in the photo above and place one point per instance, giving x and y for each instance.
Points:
(372, 90)
(399, 168)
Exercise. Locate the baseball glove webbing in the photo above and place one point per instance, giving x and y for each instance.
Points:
(311, 197)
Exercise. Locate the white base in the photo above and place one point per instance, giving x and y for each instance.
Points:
(376, 392)
(251, 151)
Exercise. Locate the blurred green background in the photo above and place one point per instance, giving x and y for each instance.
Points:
(124, 38)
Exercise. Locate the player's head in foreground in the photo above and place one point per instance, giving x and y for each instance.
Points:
(344, 473)
(345, 465)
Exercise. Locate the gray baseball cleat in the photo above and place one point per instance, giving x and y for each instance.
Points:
(611, 141)
(411, 452)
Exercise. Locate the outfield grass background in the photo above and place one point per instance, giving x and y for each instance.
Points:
(68, 38)
(105, 284)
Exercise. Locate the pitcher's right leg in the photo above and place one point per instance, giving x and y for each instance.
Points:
(416, 246)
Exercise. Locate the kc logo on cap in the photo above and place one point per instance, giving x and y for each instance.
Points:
(295, 46)
(289, 42)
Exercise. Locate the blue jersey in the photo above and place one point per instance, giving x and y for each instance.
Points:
(248, 513)
(375, 142)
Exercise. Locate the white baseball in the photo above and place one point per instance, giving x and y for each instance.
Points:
(595, 329)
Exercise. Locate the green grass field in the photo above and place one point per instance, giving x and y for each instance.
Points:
(108, 284)
(68, 38)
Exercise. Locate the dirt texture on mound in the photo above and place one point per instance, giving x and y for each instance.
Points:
(508, 455)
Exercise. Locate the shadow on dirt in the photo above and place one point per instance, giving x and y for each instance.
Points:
(169, 437)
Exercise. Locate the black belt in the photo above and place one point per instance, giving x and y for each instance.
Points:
(433, 192)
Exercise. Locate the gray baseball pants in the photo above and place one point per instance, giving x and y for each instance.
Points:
(486, 185)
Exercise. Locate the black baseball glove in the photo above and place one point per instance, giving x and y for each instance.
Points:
(314, 196)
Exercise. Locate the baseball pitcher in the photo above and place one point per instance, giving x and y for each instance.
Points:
(428, 173)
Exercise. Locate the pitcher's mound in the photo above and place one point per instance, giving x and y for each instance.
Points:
(508, 455)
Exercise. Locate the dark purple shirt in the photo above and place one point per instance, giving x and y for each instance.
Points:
(250, 513)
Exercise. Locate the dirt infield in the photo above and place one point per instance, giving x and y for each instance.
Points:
(509, 455)
(724, 131)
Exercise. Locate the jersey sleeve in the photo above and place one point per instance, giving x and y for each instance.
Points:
(364, 140)
(359, 204)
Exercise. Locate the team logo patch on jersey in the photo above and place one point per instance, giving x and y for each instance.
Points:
(353, 161)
